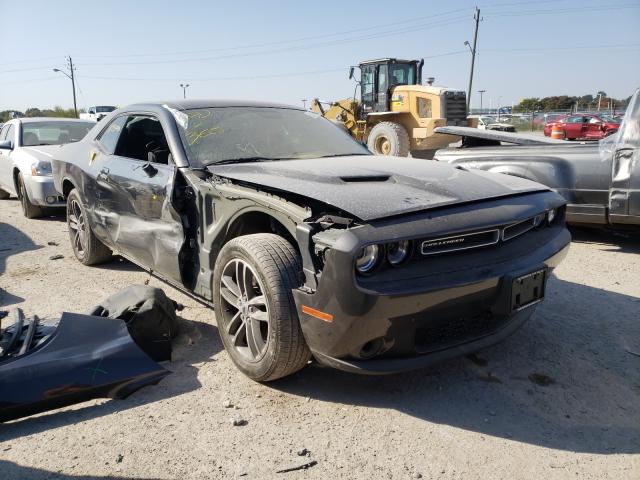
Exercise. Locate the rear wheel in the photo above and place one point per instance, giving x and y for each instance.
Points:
(86, 247)
(28, 209)
(388, 138)
(256, 315)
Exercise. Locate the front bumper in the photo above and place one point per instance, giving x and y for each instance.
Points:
(42, 191)
(431, 310)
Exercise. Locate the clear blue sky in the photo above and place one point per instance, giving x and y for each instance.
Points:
(128, 51)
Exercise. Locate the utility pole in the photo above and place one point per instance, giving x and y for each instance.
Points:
(477, 18)
(481, 92)
(71, 76)
(184, 89)
(73, 86)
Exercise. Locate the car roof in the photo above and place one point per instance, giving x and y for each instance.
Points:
(51, 119)
(209, 103)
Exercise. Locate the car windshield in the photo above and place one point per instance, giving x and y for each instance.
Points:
(225, 134)
(488, 119)
(53, 133)
(105, 109)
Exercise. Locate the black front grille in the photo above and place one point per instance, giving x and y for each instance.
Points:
(455, 109)
(453, 331)
(513, 231)
(464, 241)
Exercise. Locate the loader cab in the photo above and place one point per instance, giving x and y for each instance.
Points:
(379, 77)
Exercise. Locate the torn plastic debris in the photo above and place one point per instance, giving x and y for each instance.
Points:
(150, 317)
(44, 367)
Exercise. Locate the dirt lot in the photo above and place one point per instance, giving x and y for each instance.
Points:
(481, 417)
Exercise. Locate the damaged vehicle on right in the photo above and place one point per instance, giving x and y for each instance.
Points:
(304, 242)
(600, 181)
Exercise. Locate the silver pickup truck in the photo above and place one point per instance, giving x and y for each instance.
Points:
(601, 181)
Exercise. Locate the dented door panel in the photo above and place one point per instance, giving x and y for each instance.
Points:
(135, 207)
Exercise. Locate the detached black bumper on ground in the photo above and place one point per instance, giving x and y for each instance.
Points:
(435, 307)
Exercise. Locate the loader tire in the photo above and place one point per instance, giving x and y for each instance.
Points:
(388, 138)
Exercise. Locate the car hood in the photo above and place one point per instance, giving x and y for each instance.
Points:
(372, 187)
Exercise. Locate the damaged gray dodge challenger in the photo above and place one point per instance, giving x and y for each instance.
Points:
(304, 242)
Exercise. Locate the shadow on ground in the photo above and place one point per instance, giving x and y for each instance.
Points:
(13, 470)
(13, 242)
(613, 241)
(567, 380)
(197, 343)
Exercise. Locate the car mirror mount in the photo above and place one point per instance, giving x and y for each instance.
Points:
(148, 167)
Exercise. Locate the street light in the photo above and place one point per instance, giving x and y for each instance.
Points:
(499, 107)
(73, 84)
(304, 103)
(184, 89)
(481, 92)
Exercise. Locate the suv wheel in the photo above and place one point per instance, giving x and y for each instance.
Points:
(86, 247)
(255, 311)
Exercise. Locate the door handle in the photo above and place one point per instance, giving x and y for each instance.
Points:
(104, 175)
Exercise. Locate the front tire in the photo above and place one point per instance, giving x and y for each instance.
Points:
(85, 245)
(389, 138)
(4, 195)
(28, 209)
(257, 319)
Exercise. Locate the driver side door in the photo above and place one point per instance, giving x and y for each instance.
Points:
(573, 126)
(134, 186)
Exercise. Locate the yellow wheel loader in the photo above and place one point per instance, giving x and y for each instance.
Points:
(395, 114)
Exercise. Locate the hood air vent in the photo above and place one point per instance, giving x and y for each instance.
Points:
(365, 178)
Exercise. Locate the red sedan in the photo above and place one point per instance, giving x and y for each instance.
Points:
(584, 126)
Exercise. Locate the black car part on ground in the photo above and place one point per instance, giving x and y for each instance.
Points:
(150, 317)
(44, 367)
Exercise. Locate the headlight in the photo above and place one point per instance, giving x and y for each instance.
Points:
(397, 252)
(551, 216)
(368, 258)
(41, 168)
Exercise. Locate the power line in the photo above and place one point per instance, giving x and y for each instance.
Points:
(250, 77)
(286, 49)
(544, 49)
(572, 11)
(281, 42)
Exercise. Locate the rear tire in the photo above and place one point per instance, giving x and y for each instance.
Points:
(85, 245)
(389, 138)
(28, 209)
(257, 319)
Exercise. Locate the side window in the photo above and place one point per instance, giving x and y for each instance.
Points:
(574, 119)
(92, 110)
(109, 137)
(141, 135)
(3, 132)
(382, 79)
(367, 83)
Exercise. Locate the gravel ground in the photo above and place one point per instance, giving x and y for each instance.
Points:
(481, 417)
